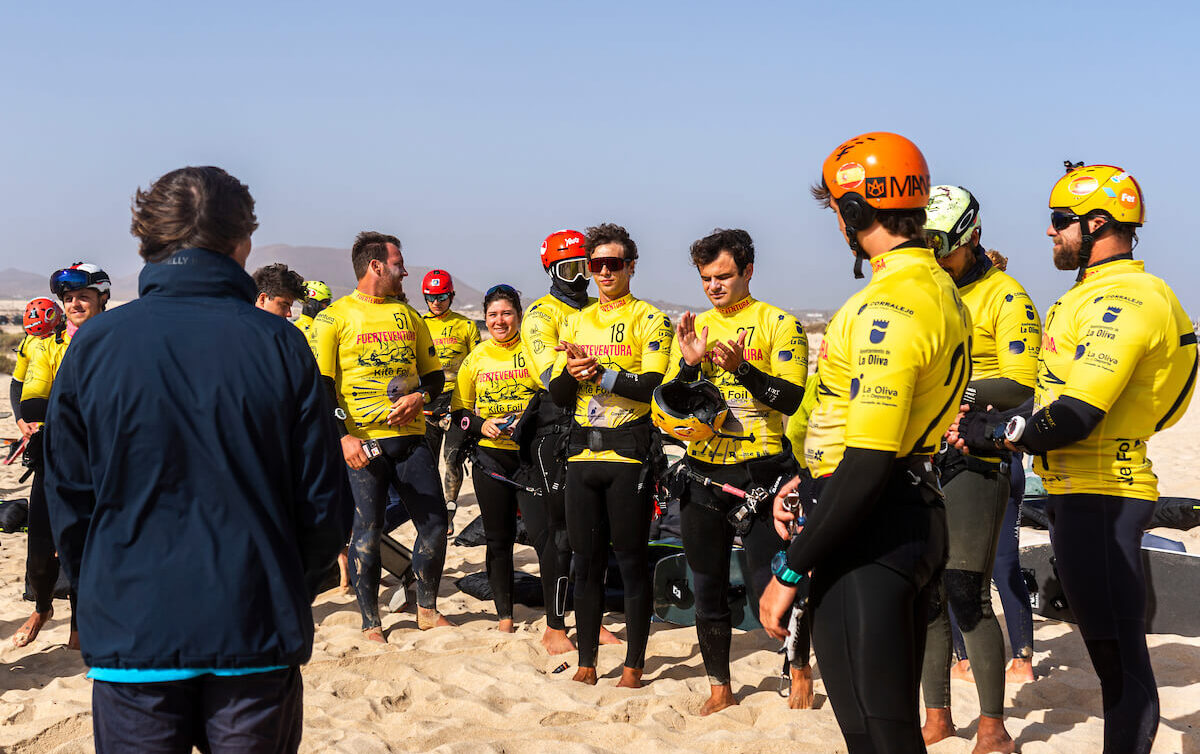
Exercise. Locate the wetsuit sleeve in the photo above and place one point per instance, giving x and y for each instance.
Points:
(539, 336)
(35, 390)
(1103, 365)
(324, 505)
(637, 387)
(998, 392)
(70, 494)
(775, 392)
(433, 383)
(1064, 422)
(14, 398)
(845, 502)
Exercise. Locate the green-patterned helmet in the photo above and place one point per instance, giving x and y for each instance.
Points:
(951, 218)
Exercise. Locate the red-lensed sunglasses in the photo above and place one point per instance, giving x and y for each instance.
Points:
(614, 264)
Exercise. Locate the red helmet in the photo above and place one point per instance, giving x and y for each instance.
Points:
(42, 315)
(437, 281)
(560, 245)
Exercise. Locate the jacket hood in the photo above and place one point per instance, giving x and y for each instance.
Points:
(197, 272)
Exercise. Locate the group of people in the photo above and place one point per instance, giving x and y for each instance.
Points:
(200, 451)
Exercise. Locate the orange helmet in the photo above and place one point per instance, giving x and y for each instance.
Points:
(884, 170)
(562, 245)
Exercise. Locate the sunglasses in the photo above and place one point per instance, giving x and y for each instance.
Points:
(505, 287)
(1060, 221)
(614, 264)
(432, 298)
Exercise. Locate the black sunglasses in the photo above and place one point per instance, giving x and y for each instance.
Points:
(614, 264)
(1060, 221)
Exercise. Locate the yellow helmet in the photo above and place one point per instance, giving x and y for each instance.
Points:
(688, 411)
(1100, 188)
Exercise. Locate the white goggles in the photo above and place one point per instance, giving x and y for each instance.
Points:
(571, 269)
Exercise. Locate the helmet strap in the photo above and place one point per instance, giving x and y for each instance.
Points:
(859, 254)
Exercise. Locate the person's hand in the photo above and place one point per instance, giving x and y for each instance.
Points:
(773, 608)
(406, 408)
(972, 428)
(692, 346)
(491, 429)
(781, 514)
(582, 367)
(730, 354)
(27, 428)
(353, 453)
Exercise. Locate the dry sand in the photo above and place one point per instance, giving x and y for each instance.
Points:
(472, 689)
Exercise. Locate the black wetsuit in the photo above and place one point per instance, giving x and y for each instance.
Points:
(499, 502)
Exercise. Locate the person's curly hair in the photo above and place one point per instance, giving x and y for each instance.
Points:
(277, 281)
(598, 235)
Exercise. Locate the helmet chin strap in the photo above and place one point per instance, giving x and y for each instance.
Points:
(859, 254)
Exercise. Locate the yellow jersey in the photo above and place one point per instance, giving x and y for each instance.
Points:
(45, 356)
(776, 345)
(453, 337)
(1120, 341)
(1006, 332)
(24, 351)
(797, 423)
(304, 323)
(375, 350)
(893, 364)
(626, 334)
(494, 382)
(540, 328)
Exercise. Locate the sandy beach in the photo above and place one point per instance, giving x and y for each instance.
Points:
(472, 689)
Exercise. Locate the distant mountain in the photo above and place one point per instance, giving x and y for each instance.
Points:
(23, 285)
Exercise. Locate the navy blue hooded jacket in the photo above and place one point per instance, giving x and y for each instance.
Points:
(194, 477)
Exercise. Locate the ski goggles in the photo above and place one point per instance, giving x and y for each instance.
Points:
(69, 279)
(1060, 221)
(614, 264)
(437, 298)
(939, 241)
(571, 269)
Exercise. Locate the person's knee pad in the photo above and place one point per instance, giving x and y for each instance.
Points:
(964, 590)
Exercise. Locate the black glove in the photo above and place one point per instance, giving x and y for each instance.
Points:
(976, 428)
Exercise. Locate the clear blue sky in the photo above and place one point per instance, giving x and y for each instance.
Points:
(471, 130)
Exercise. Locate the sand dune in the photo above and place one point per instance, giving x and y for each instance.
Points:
(472, 689)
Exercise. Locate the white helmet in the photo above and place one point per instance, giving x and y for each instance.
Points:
(77, 276)
(951, 218)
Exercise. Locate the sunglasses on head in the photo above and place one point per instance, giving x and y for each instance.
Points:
(1060, 221)
(503, 287)
(437, 298)
(614, 264)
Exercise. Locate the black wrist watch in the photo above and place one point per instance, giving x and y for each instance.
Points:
(743, 369)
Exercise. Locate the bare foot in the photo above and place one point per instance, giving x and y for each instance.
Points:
(585, 675)
(32, 627)
(631, 678)
(961, 671)
(428, 618)
(344, 572)
(607, 637)
(992, 737)
(556, 642)
(73, 642)
(506, 626)
(719, 698)
(1020, 670)
(801, 696)
(374, 634)
(938, 725)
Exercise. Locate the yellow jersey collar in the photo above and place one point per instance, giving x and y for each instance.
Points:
(438, 317)
(725, 311)
(901, 256)
(609, 306)
(511, 343)
(359, 295)
(1113, 267)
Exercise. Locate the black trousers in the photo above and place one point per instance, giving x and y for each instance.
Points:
(261, 712)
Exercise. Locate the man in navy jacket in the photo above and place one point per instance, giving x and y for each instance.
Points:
(196, 488)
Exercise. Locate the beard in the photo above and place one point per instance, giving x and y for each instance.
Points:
(1066, 257)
